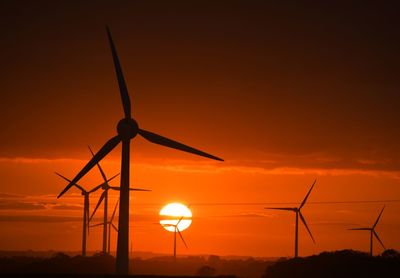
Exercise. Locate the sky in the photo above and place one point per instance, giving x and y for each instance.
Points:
(286, 93)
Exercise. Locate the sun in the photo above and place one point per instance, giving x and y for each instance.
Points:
(170, 215)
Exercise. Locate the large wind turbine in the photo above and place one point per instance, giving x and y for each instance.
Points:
(127, 129)
(176, 230)
(104, 197)
(109, 224)
(297, 210)
(372, 232)
(85, 208)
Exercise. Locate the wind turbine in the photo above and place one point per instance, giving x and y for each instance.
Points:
(85, 208)
(104, 196)
(127, 129)
(373, 232)
(176, 230)
(297, 210)
(110, 224)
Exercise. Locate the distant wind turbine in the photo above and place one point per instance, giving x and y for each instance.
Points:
(372, 232)
(297, 210)
(109, 224)
(176, 230)
(104, 197)
(86, 194)
(127, 129)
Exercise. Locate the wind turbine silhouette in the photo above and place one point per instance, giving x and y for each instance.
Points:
(109, 224)
(176, 230)
(297, 210)
(104, 196)
(373, 232)
(85, 208)
(127, 129)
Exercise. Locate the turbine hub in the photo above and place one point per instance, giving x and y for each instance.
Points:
(127, 128)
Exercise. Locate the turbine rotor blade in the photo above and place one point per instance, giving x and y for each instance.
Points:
(180, 219)
(308, 194)
(377, 237)
(305, 224)
(113, 177)
(377, 220)
(115, 228)
(126, 102)
(68, 180)
(103, 195)
(138, 189)
(95, 188)
(179, 232)
(108, 147)
(130, 188)
(163, 141)
(291, 209)
(113, 214)
(98, 166)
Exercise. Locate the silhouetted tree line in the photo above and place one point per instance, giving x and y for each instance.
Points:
(59, 263)
(344, 263)
(100, 265)
(204, 266)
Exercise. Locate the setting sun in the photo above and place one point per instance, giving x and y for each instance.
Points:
(172, 213)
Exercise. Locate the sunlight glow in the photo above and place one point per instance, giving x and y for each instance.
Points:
(170, 215)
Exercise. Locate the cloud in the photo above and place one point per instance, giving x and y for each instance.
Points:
(17, 205)
(248, 214)
(261, 163)
(39, 218)
(9, 195)
(10, 201)
(212, 169)
(34, 160)
(66, 207)
(332, 223)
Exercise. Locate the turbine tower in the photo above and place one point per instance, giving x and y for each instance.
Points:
(105, 187)
(176, 230)
(127, 129)
(297, 210)
(85, 226)
(372, 232)
(104, 197)
(110, 225)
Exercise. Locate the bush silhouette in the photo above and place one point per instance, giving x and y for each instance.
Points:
(344, 263)
(206, 271)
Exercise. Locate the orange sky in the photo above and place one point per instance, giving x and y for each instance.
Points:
(284, 94)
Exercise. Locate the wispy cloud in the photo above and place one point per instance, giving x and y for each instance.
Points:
(38, 218)
(212, 169)
(33, 160)
(264, 164)
(17, 205)
(9, 195)
(66, 207)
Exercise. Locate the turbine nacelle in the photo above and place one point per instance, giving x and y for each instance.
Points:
(127, 128)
